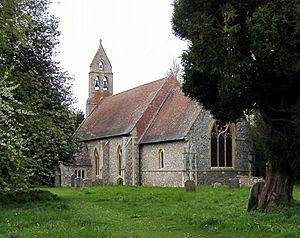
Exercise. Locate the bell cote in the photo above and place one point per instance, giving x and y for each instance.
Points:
(100, 79)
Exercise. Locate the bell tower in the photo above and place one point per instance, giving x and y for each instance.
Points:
(100, 79)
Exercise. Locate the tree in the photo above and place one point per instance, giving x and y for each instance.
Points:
(13, 175)
(245, 55)
(175, 71)
(28, 37)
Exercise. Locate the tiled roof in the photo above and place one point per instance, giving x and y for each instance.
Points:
(174, 119)
(97, 96)
(118, 114)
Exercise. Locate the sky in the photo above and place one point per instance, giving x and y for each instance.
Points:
(136, 35)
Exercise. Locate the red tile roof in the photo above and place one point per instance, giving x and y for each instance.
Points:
(174, 119)
(118, 114)
(97, 96)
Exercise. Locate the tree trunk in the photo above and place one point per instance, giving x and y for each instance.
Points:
(278, 188)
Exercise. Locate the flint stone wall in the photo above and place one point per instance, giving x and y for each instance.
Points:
(171, 175)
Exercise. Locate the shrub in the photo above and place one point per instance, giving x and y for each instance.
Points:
(29, 196)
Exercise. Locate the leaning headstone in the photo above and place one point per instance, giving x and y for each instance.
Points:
(217, 185)
(87, 181)
(72, 177)
(57, 181)
(120, 181)
(190, 186)
(255, 191)
(234, 183)
(78, 183)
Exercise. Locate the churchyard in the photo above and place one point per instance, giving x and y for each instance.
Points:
(131, 211)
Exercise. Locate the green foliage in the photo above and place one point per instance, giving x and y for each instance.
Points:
(28, 37)
(13, 175)
(241, 54)
(258, 135)
(127, 211)
(31, 196)
(294, 142)
(245, 55)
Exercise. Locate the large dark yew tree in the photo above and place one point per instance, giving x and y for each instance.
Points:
(246, 55)
(42, 117)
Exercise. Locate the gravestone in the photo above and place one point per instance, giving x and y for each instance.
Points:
(73, 176)
(120, 181)
(87, 181)
(217, 185)
(57, 181)
(190, 186)
(78, 183)
(96, 182)
(234, 183)
(255, 191)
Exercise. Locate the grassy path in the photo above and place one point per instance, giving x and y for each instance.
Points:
(126, 211)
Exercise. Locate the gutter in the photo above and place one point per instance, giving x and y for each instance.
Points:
(163, 141)
(104, 137)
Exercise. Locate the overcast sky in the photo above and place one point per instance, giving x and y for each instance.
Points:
(136, 35)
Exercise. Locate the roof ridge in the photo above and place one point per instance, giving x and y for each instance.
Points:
(153, 98)
(141, 99)
(175, 119)
(104, 98)
(152, 82)
(169, 94)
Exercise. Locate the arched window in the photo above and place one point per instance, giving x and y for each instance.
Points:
(105, 81)
(161, 159)
(101, 66)
(119, 160)
(96, 159)
(221, 145)
(97, 81)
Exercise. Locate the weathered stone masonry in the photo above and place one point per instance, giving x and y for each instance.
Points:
(161, 137)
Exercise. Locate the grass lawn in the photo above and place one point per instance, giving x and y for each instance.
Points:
(127, 211)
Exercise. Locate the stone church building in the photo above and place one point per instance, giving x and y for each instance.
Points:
(153, 135)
